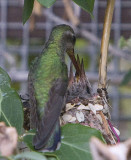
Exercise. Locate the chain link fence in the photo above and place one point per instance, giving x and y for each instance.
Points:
(19, 44)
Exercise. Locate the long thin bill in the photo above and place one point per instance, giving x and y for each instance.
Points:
(73, 59)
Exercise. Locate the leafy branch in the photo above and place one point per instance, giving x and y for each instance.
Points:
(87, 5)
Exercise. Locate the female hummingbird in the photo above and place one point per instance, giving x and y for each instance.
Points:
(47, 85)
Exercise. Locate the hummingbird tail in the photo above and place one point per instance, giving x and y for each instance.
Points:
(53, 142)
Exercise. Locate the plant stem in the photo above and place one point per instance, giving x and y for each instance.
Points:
(105, 43)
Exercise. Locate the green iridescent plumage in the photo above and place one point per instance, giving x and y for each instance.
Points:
(49, 69)
(48, 80)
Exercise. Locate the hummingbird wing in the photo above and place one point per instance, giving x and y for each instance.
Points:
(51, 115)
(48, 125)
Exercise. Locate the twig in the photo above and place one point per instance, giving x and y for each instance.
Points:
(69, 12)
(105, 124)
(37, 10)
(105, 43)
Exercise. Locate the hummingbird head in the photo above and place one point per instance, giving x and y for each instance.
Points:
(65, 36)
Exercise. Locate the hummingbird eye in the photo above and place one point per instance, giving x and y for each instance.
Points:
(74, 38)
(69, 37)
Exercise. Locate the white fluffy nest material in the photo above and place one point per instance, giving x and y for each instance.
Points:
(92, 115)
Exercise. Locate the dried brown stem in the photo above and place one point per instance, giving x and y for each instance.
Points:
(37, 10)
(70, 14)
(105, 124)
(106, 127)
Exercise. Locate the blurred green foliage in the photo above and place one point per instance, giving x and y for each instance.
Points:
(124, 43)
(36, 41)
(13, 42)
(15, 85)
(125, 110)
(80, 46)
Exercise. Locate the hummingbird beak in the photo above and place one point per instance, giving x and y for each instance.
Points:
(71, 54)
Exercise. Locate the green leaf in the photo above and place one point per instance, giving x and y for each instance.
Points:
(11, 110)
(127, 78)
(75, 142)
(47, 3)
(28, 7)
(87, 5)
(30, 155)
(4, 77)
(28, 138)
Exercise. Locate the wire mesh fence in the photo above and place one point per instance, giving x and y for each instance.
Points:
(19, 44)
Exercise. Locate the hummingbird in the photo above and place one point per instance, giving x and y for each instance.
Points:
(47, 86)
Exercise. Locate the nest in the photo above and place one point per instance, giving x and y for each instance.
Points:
(87, 108)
